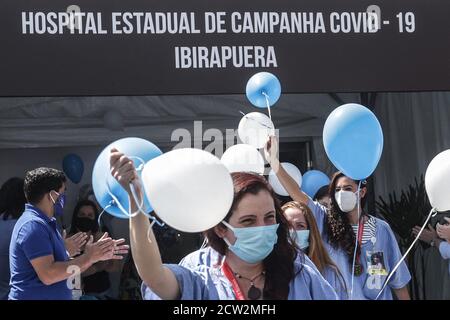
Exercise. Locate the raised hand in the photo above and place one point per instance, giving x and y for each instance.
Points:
(122, 169)
(428, 234)
(100, 250)
(119, 249)
(74, 243)
(443, 230)
(271, 152)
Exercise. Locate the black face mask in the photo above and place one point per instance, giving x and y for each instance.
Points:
(85, 224)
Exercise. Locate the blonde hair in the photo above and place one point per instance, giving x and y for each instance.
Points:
(316, 250)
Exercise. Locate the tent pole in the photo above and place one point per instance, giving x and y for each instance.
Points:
(309, 162)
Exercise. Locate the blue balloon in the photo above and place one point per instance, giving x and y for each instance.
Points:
(313, 180)
(105, 186)
(353, 140)
(73, 167)
(260, 85)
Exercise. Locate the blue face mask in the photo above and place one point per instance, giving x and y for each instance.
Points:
(58, 205)
(301, 237)
(253, 244)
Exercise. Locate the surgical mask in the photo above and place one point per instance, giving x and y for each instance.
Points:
(58, 204)
(301, 238)
(346, 200)
(253, 244)
(85, 224)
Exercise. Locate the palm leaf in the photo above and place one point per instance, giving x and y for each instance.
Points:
(408, 211)
(402, 215)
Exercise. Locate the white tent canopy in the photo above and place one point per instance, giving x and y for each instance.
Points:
(415, 125)
(75, 121)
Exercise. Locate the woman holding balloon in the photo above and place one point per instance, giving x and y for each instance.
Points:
(344, 227)
(260, 260)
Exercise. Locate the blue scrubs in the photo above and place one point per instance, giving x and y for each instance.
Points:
(210, 257)
(367, 286)
(200, 278)
(444, 249)
(338, 283)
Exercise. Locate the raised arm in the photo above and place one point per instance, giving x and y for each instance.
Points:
(50, 271)
(144, 247)
(291, 186)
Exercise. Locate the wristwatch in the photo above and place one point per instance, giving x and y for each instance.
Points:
(432, 243)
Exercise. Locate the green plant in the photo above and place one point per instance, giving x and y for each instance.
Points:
(404, 214)
(408, 211)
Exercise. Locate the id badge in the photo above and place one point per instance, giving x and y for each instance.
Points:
(375, 263)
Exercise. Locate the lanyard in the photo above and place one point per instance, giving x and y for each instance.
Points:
(229, 275)
(360, 236)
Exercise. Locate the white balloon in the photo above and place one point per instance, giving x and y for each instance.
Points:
(243, 158)
(292, 170)
(437, 181)
(189, 189)
(255, 128)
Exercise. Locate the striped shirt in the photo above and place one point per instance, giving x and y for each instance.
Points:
(370, 229)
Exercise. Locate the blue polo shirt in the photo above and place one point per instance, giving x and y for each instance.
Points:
(35, 235)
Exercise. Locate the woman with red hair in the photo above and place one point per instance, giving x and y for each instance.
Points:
(259, 259)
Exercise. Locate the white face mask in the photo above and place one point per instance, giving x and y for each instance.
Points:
(346, 200)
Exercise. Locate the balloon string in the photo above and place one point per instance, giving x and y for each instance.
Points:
(136, 200)
(268, 104)
(407, 251)
(140, 209)
(356, 242)
(205, 243)
(250, 118)
(103, 211)
(154, 220)
(140, 203)
(133, 192)
(118, 204)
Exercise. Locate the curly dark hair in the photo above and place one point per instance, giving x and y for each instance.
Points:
(338, 228)
(279, 265)
(40, 181)
(12, 198)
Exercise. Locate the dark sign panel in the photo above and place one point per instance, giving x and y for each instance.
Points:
(147, 47)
